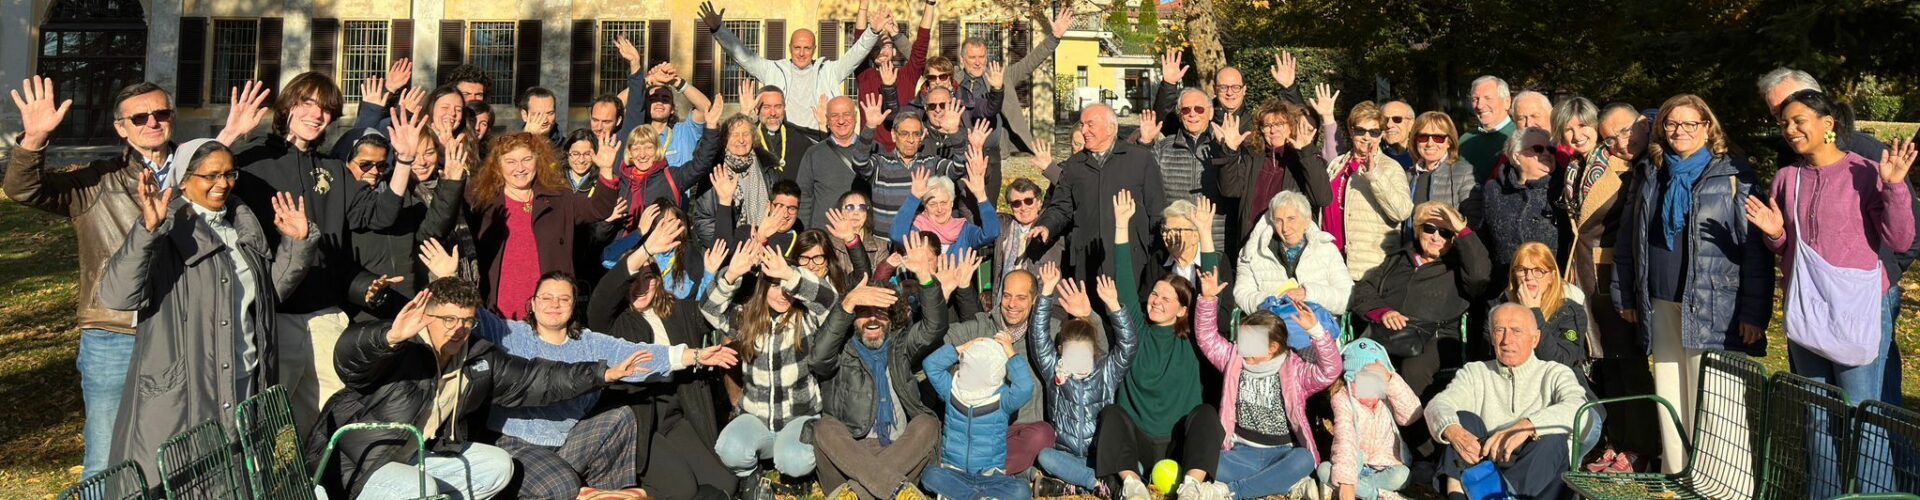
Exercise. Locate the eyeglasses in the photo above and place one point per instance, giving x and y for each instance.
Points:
(854, 207)
(155, 116)
(1693, 126)
(1433, 138)
(1433, 229)
(1367, 132)
(1021, 202)
(454, 321)
(909, 135)
(1396, 120)
(1192, 110)
(1533, 271)
(808, 261)
(229, 176)
(938, 106)
(1230, 88)
(939, 77)
(554, 298)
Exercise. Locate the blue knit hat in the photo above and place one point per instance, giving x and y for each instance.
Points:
(1360, 353)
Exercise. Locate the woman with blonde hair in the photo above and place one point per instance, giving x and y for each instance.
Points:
(1439, 173)
(1559, 307)
(1370, 198)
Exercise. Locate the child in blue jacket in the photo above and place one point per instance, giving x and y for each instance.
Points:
(984, 386)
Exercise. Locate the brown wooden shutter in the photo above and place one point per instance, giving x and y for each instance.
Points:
(950, 39)
(269, 50)
(453, 47)
(705, 71)
(191, 88)
(828, 40)
(526, 59)
(581, 76)
(400, 41)
(1021, 41)
(774, 42)
(323, 55)
(659, 42)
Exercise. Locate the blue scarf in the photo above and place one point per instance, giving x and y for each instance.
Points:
(1681, 174)
(876, 363)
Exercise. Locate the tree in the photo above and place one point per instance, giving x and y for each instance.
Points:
(1203, 35)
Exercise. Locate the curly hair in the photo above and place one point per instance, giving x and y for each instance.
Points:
(489, 184)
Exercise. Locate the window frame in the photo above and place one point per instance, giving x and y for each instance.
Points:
(724, 61)
(509, 50)
(607, 55)
(343, 66)
(218, 87)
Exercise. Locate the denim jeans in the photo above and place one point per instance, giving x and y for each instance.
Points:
(953, 483)
(1861, 383)
(1890, 385)
(490, 469)
(746, 441)
(1370, 481)
(1254, 472)
(1072, 469)
(103, 373)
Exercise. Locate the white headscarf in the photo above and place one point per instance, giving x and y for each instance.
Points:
(181, 163)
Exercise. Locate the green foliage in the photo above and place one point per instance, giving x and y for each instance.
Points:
(1149, 17)
(1316, 66)
(1879, 107)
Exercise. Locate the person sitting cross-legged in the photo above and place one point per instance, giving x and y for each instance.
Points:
(1515, 411)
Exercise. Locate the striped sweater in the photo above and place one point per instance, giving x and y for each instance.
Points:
(779, 387)
(893, 183)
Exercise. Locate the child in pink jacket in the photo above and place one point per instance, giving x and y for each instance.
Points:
(1370, 404)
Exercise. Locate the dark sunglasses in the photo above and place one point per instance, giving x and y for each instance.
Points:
(937, 106)
(854, 207)
(1193, 110)
(142, 119)
(1369, 132)
(1433, 138)
(1396, 120)
(938, 78)
(1021, 202)
(1432, 229)
(1537, 149)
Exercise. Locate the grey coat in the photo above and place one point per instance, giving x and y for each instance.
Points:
(187, 345)
(1451, 182)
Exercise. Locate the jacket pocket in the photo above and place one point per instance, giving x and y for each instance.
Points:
(164, 381)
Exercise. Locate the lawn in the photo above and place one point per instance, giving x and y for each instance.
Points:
(40, 442)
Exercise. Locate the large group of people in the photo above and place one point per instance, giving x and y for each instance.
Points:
(1293, 297)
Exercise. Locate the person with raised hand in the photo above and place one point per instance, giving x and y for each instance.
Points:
(1373, 189)
(1077, 210)
(1193, 155)
(1268, 162)
(650, 100)
(214, 340)
(1079, 373)
(843, 160)
(387, 272)
(887, 71)
(804, 78)
(527, 222)
(941, 216)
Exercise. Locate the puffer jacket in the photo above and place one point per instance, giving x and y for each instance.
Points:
(99, 198)
(1730, 279)
(847, 390)
(1259, 273)
(1376, 205)
(1451, 182)
(975, 439)
(1076, 405)
(1300, 377)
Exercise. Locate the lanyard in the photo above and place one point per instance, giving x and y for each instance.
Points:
(783, 145)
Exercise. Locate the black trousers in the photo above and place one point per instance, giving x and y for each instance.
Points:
(1428, 374)
(1120, 445)
(679, 466)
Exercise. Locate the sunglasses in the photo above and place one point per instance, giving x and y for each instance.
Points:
(1021, 202)
(1537, 149)
(1367, 132)
(1444, 233)
(1396, 120)
(156, 116)
(854, 207)
(938, 106)
(1433, 138)
(939, 77)
(1193, 110)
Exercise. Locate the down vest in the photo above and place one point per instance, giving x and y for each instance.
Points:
(1076, 405)
(1730, 277)
(1260, 272)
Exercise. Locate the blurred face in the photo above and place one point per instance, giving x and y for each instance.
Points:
(1583, 137)
(208, 185)
(1804, 130)
(1533, 112)
(840, 118)
(740, 139)
(975, 59)
(1016, 298)
(448, 326)
(1366, 137)
(553, 304)
(1180, 234)
(1231, 86)
(604, 119)
(471, 92)
(1686, 130)
(773, 109)
(1399, 121)
(1625, 134)
(1431, 143)
(366, 164)
(1026, 206)
(580, 157)
(1534, 277)
(518, 166)
(1535, 157)
(1275, 130)
(1514, 335)
(1163, 305)
(446, 111)
(539, 115)
(1195, 112)
(307, 120)
(145, 121)
(1488, 106)
(907, 137)
(782, 209)
(426, 161)
(1290, 225)
(814, 259)
(1433, 243)
(800, 49)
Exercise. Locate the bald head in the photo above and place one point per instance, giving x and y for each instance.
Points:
(841, 119)
(801, 47)
(1098, 126)
(1231, 86)
(1532, 110)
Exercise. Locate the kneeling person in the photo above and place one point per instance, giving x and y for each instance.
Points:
(877, 435)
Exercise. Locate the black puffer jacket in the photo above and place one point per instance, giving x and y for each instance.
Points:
(848, 392)
(397, 384)
(1439, 292)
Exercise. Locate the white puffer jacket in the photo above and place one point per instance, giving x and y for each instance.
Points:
(1322, 271)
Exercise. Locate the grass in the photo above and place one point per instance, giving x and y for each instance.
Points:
(1888, 131)
(40, 443)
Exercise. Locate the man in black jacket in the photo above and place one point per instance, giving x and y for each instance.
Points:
(423, 369)
(775, 135)
(1080, 207)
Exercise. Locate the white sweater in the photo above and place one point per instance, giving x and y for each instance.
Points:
(1546, 393)
(803, 86)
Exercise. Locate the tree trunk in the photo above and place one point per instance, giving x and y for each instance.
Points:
(1204, 36)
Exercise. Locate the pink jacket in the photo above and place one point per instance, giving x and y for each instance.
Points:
(1371, 431)
(1298, 379)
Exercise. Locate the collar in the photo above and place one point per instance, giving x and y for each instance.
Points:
(217, 218)
(1424, 167)
(847, 144)
(1503, 124)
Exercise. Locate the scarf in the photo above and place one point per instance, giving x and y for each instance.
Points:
(1334, 218)
(1581, 176)
(639, 190)
(751, 197)
(1681, 174)
(1266, 368)
(876, 362)
(949, 232)
(1269, 183)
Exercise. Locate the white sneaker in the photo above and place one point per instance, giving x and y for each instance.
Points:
(1306, 489)
(1133, 489)
(1216, 490)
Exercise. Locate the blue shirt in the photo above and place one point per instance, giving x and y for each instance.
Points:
(680, 142)
(548, 425)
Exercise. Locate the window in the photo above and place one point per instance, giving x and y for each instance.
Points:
(993, 34)
(91, 49)
(235, 57)
(731, 74)
(490, 46)
(613, 68)
(364, 51)
(1081, 77)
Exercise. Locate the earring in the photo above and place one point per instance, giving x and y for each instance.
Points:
(1831, 137)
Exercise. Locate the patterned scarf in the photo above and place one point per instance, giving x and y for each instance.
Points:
(751, 197)
(1581, 176)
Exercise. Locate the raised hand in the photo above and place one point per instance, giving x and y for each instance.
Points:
(1171, 71)
(1766, 217)
(659, 74)
(153, 201)
(665, 235)
(441, 261)
(248, 108)
(1149, 127)
(1109, 293)
(820, 112)
(455, 168)
(1123, 208)
(39, 116)
(1285, 69)
(996, 75)
(1228, 131)
(865, 295)
(873, 110)
(605, 151)
(648, 215)
(620, 209)
(842, 226)
(920, 256)
(774, 266)
(724, 185)
(411, 320)
(1073, 299)
(290, 215)
(1897, 160)
(711, 260)
(884, 17)
(978, 135)
(718, 109)
(372, 92)
(629, 367)
(919, 188)
(1323, 98)
(630, 54)
(405, 132)
(949, 119)
(1210, 284)
(748, 93)
(710, 17)
(1049, 278)
(889, 74)
(399, 74)
(413, 100)
(1203, 216)
(1303, 315)
(977, 172)
(380, 284)
(1063, 21)
(1043, 155)
(745, 256)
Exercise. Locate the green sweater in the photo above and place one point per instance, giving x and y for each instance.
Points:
(1481, 148)
(1164, 384)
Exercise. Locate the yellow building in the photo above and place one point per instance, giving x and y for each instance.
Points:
(1101, 73)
